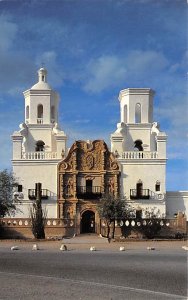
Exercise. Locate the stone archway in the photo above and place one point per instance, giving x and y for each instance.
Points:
(87, 224)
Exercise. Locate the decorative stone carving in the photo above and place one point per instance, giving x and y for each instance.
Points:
(86, 161)
(88, 177)
(68, 187)
(111, 185)
(89, 161)
(69, 212)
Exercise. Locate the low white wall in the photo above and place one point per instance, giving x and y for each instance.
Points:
(176, 202)
(23, 210)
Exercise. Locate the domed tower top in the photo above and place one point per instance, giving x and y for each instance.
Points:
(42, 81)
(42, 73)
(41, 102)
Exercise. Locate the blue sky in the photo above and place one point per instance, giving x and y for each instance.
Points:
(92, 50)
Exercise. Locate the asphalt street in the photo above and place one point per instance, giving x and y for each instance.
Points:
(136, 274)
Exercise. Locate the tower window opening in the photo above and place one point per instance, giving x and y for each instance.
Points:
(40, 114)
(43, 77)
(157, 186)
(138, 145)
(52, 114)
(27, 112)
(40, 111)
(125, 114)
(138, 113)
(39, 146)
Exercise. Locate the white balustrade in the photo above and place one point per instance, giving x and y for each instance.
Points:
(39, 155)
(139, 155)
(39, 120)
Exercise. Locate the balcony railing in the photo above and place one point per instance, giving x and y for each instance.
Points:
(44, 195)
(39, 120)
(87, 192)
(145, 194)
(39, 155)
(139, 194)
(139, 155)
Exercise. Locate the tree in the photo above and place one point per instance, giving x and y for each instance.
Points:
(7, 187)
(111, 209)
(38, 215)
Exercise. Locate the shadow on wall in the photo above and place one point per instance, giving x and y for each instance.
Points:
(9, 233)
(176, 202)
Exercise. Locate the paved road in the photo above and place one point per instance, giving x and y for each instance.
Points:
(136, 274)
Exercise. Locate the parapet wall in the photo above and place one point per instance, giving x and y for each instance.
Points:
(132, 228)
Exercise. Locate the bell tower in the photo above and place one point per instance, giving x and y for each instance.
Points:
(40, 131)
(140, 148)
(136, 106)
(39, 144)
(41, 102)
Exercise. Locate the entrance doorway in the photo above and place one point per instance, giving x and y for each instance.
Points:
(88, 222)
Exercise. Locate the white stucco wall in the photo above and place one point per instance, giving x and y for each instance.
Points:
(30, 172)
(23, 209)
(148, 172)
(177, 202)
(40, 132)
(138, 132)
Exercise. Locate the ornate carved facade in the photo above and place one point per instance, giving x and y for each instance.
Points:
(88, 171)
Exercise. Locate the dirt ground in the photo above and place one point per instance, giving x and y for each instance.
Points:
(84, 243)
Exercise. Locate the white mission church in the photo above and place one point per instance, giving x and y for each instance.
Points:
(138, 146)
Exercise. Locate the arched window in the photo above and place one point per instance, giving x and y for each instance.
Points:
(125, 114)
(138, 113)
(157, 186)
(40, 111)
(52, 114)
(138, 145)
(27, 112)
(39, 146)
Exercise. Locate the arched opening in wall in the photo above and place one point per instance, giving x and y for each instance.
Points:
(27, 112)
(52, 114)
(87, 222)
(138, 145)
(138, 113)
(40, 114)
(125, 114)
(39, 146)
(157, 186)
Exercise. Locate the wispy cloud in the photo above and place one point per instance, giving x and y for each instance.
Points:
(134, 43)
(103, 72)
(8, 32)
(49, 59)
(81, 121)
(112, 71)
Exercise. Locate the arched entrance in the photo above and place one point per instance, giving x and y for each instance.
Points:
(88, 222)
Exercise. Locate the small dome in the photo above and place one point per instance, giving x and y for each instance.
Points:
(43, 69)
(41, 86)
(42, 81)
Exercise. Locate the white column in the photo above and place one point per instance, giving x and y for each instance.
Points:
(17, 139)
(61, 144)
(161, 145)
